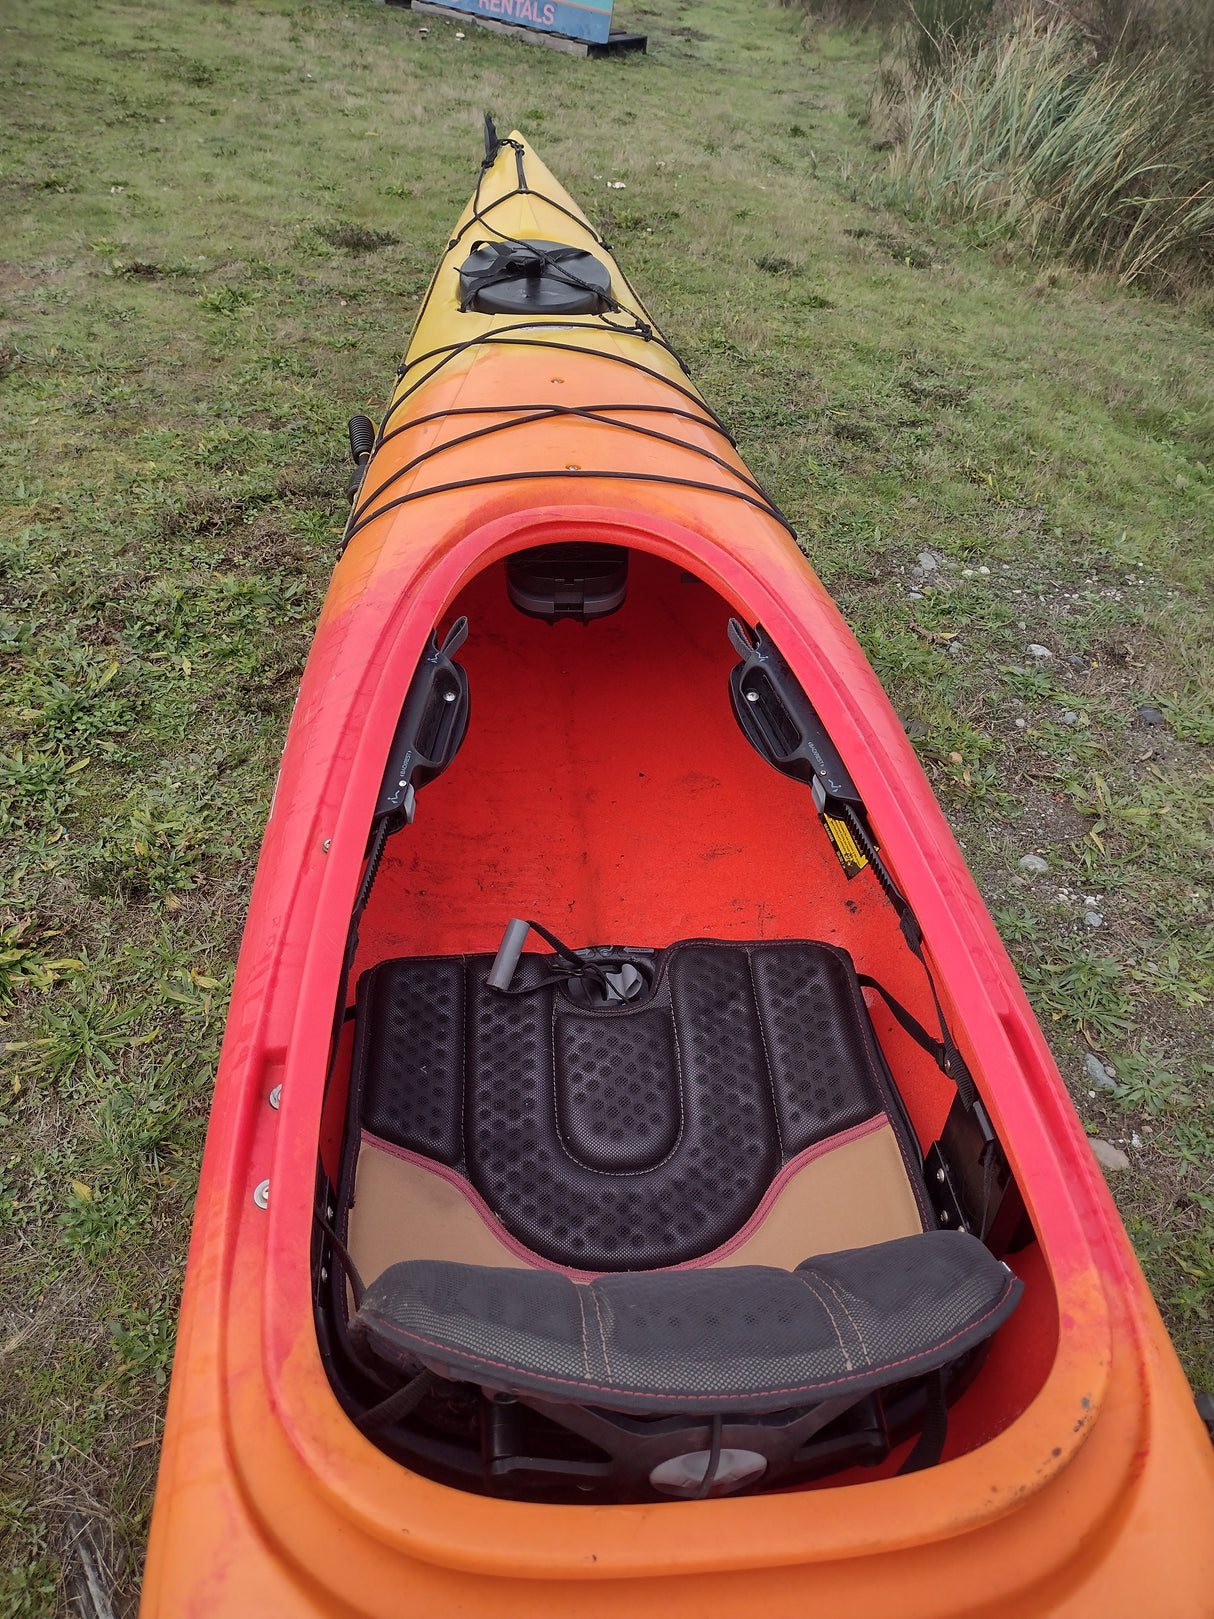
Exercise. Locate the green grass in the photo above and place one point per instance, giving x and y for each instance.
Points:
(219, 221)
(1107, 164)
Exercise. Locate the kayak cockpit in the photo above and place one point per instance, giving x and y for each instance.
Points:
(666, 1208)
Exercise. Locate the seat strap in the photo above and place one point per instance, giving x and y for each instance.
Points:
(942, 1052)
(929, 1447)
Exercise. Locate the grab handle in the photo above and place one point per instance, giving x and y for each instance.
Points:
(780, 722)
(431, 728)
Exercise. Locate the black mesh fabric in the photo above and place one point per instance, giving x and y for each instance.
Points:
(748, 1338)
(621, 1137)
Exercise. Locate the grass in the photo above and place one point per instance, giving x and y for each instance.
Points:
(1108, 164)
(220, 219)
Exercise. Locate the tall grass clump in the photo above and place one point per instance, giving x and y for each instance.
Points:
(1106, 161)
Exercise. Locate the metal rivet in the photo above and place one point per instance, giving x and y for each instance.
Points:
(752, 696)
(276, 1096)
(940, 1176)
(448, 697)
(261, 1195)
(943, 1216)
(324, 1275)
(325, 844)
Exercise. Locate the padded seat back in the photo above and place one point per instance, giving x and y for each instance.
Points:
(625, 1137)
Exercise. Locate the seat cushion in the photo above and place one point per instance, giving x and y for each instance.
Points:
(623, 1138)
(748, 1339)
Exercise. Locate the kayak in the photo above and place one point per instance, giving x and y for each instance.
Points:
(636, 1182)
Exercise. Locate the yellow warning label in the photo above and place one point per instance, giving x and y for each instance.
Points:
(851, 857)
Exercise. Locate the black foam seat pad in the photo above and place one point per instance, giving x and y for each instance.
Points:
(746, 1339)
(623, 1137)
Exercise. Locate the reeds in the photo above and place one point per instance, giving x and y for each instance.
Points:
(1107, 162)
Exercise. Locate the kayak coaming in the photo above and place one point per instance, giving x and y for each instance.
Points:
(269, 1494)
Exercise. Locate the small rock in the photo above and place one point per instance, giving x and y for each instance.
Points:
(967, 573)
(1034, 863)
(1135, 1140)
(914, 596)
(1035, 651)
(984, 570)
(1070, 717)
(1096, 1073)
(1020, 724)
(1107, 1155)
(927, 561)
(1075, 661)
(954, 649)
(1093, 919)
(1149, 715)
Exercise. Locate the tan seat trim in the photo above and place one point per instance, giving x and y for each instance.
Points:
(852, 1195)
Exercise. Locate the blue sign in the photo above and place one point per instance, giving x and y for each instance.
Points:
(576, 18)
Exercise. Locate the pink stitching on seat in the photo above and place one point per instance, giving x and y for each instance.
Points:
(537, 1262)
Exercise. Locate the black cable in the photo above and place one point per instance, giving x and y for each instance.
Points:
(357, 1286)
(714, 1461)
(566, 472)
(708, 420)
(548, 413)
(397, 1406)
(478, 214)
(493, 145)
(499, 336)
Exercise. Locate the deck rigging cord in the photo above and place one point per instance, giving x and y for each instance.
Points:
(366, 510)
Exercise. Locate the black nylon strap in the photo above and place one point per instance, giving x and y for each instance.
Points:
(929, 1447)
(942, 1052)
(909, 1022)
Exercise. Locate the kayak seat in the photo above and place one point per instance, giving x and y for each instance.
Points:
(755, 1338)
(633, 1191)
(743, 1083)
(804, 1345)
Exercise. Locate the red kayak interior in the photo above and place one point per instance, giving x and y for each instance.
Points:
(605, 790)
